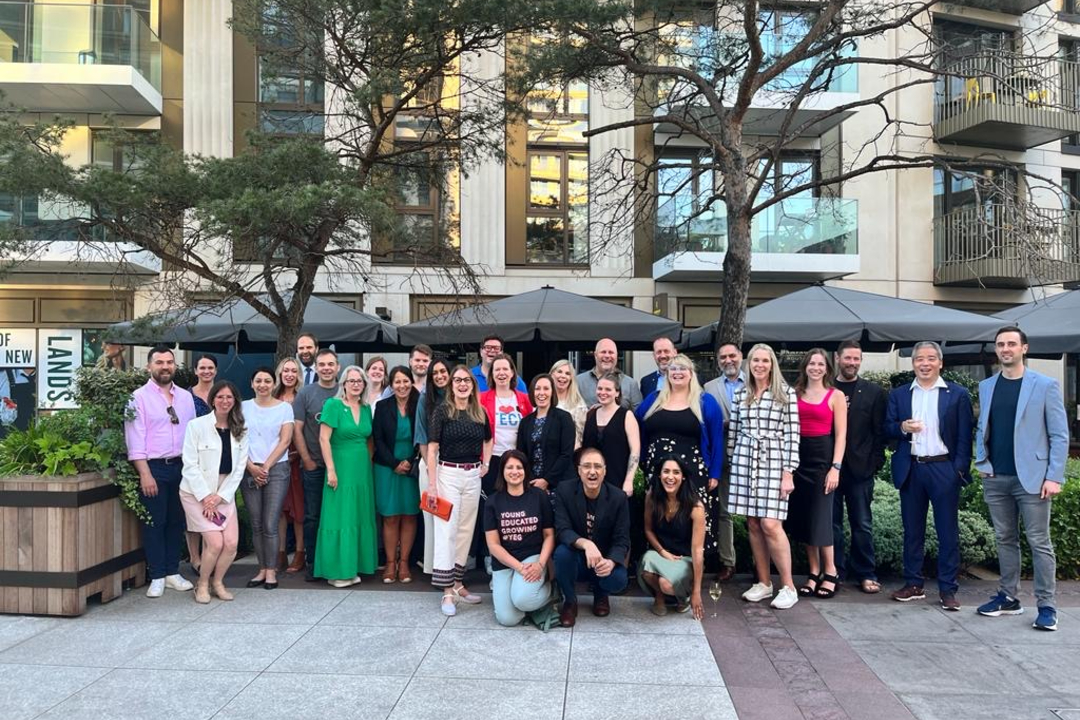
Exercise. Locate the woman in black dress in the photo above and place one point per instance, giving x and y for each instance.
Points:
(613, 430)
(546, 436)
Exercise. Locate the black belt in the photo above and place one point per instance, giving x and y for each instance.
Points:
(167, 461)
(930, 458)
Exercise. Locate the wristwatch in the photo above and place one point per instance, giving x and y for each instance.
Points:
(838, 465)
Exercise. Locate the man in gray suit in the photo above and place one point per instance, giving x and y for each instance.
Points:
(729, 359)
(1020, 448)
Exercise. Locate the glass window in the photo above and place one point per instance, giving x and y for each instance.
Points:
(557, 218)
(971, 187)
(685, 184)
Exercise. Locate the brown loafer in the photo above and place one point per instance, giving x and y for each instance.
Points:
(725, 574)
(568, 614)
(601, 607)
(298, 562)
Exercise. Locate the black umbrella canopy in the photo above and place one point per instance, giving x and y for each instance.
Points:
(546, 315)
(1052, 325)
(235, 323)
(827, 315)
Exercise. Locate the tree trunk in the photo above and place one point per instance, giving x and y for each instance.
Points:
(736, 285)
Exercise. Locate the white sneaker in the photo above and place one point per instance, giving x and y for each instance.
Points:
(156, 589)
(786, 598)
(758, 592)
(177, 582)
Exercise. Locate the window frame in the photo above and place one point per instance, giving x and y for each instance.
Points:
(564, 152)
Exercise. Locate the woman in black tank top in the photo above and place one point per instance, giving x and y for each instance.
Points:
(675, 531)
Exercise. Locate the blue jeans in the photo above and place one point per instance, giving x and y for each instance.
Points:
(1009, 502)
(513, 596)
(161, 539)
(570, 567)
(937, 485)
(313, 481)
(857, 494)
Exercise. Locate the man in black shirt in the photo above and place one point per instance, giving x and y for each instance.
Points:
(864, 455)
(592, 528)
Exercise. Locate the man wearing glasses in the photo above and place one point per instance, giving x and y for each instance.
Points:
(592, 529)
(490, 348)
(155, 443)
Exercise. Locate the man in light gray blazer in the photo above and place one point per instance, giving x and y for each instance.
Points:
(729, 359)
(1021, 444)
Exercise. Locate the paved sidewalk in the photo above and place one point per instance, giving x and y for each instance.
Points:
(310, 651)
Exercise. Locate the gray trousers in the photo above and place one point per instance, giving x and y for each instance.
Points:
(264, 505)
(1009, 503)
(725, 534)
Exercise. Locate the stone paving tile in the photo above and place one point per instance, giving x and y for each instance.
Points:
(81, 643)
(895, 621)
(1017, 630)
(206, 646)
(297, 696)
(14, 629)
(430, 698)
(492, 654)
(597, 701)
(26, 691)
(611, 658)
(357, 651)
(404, 610)
(138, 694)
(743, 663)
(271, 607)
(134, 606)
(940, 706)
(1052, 667)
(763, 704)
(878, 705)
(632, 615)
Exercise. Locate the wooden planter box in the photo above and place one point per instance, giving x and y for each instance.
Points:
(63, 540)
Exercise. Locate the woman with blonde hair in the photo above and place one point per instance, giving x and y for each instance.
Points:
(763, 447)
(285, 389)
(569, 397)
(682, 421)
(348, 544)
(460, 440)
(378, 382)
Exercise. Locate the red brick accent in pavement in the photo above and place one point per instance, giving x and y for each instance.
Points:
(780, 664)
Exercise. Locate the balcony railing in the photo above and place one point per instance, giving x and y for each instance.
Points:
(33, 32)
(1008, 100)
(808, 226)
(1012, 7)
(1003, 245)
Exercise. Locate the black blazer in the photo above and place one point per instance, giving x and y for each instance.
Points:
(557, 440)
(384, 431)
(864, 454)
(611, 529)
(649, 382)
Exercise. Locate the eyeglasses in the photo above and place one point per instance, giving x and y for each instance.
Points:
(463, 380)
(355, 381)
(678, 368)
(493, 348)
(173, 418)
(591, 466)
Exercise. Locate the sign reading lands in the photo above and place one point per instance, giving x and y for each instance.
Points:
(17, 348)
(59, 356)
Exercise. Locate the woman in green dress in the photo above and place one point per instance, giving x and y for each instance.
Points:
(347, 544)
(397, 496)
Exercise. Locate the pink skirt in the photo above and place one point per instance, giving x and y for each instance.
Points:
(197, 522)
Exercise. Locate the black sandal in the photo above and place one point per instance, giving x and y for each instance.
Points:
(806, 590)
(826, 594)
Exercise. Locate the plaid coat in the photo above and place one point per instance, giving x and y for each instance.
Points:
(762, 442)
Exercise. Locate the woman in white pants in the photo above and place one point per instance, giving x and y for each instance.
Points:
(432, 396)
(459, 449)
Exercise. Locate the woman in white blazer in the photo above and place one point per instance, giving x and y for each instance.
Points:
(211, 474)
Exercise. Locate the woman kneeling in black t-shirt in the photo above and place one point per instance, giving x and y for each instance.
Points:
(520, 532)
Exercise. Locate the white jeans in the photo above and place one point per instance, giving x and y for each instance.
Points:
(429, 526)
(454, 537)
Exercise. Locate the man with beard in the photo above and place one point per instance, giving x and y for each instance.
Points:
(607, 356)
(307, 347)
(419, 361)
(729, 359)
(155, 443)
(663, 350)
(864, 455)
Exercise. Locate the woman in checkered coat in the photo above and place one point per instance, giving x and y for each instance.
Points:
(763, 444)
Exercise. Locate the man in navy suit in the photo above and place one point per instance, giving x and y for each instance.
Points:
(1020, 449)
(932, 420)
(662, 351)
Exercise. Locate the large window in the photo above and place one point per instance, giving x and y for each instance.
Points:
(684, 218)
(972, 186)
(290, 95)
(1069, 51)
(419, 206)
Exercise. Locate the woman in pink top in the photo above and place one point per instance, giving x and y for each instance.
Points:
(823, 432)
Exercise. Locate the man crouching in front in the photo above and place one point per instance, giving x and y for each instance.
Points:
(592, 526)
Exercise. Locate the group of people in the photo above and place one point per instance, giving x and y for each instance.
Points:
(533, 480)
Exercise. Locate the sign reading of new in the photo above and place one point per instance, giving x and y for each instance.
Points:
(60, 353)
(17, 348)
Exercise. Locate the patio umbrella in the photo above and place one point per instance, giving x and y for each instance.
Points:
(827, 315)
(235, 323)
(1052, 325)
(543, 317)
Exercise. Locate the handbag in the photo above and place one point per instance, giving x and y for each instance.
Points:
(443, 507)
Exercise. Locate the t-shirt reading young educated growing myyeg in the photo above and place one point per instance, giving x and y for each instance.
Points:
(520, 520)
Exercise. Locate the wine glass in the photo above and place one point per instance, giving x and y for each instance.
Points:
(715, 591)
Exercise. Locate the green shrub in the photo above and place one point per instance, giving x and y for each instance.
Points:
(1065, 524)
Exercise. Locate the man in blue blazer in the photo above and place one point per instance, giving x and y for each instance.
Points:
(662, 351)
(932, 420)
(1020, 449)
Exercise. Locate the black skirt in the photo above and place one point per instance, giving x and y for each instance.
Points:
(809, 517)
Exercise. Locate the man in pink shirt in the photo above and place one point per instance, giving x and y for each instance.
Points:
(155, 442)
